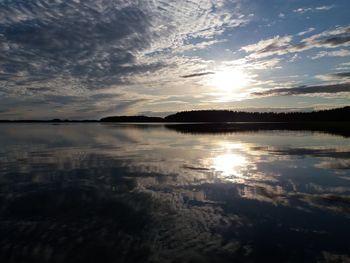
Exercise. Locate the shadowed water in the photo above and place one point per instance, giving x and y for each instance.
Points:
(155, 193)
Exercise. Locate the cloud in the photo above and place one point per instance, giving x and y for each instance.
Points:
(277, 45)
(269, 46)
(102, 41)
(122, 106)
(340, 36)
(343, 66)
(324, 7)
(75, 40)
(303, 10)
(87, 51)
(73, 48)
(309, 30)
(337, 53)
(293, 58)
(197, 74)
(340, 76)
(334, 88)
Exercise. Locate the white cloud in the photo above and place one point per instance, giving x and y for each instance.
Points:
(337, 53)
(82, 47)
(309, 30)
(325, 7)
(293, 58)
(338, 77)
(267, 47)
(174, 22)
(340, 36)
(303, 10)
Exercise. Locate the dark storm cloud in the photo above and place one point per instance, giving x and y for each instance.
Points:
(94, 41)
(335, 88)
(197, 75)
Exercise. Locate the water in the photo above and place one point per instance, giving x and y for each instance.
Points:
(156, 193)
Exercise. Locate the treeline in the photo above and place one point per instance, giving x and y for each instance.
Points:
(339, 114)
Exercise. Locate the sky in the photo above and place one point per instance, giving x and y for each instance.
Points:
(86, 59)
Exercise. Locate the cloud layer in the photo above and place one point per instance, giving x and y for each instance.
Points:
(336, 88)
(97, 57)
(98, 42)
(283, 45)
(91, 45)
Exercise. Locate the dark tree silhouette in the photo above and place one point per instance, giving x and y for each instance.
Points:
(340, 114)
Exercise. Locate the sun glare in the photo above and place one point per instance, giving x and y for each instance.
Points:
(229, 164)
(229, 80)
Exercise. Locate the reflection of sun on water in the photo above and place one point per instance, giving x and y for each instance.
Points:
(229, 164)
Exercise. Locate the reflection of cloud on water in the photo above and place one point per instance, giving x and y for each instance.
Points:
(199, 195)
(340, 152)
(334, 258)
(265, 193)
(278, 196)
(329, 189)
(334, 164)
(122, 222)
(336, 203)
(183, 226)
(155, 158)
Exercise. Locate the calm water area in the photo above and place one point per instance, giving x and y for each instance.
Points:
(98, 192)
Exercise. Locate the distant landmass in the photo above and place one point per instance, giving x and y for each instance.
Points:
(339, 114)
(217, 116)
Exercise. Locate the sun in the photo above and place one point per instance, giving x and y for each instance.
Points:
(229, 80)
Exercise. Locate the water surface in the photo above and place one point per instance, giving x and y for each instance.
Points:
(159, 193)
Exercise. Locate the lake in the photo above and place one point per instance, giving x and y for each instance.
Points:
(97, 192)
